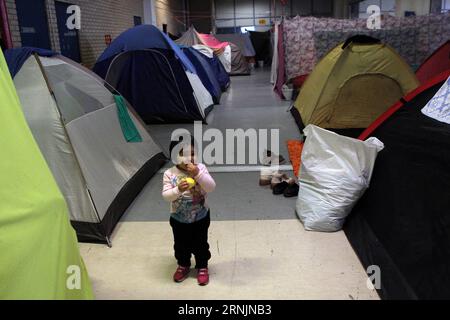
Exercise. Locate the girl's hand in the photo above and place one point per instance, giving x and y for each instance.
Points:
(192, 169)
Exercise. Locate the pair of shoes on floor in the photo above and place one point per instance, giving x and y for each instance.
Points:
(183, 272)
(288, 189)
(269, 176)
(277, 179)
(266, 176)
(282, 184)
(272, 159)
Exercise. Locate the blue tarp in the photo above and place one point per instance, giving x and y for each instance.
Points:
(16, 57)
(140, 38)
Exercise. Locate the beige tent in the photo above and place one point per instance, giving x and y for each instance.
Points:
(353, 85)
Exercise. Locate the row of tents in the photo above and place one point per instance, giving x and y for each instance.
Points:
(229, 53)
(73, 150)
(167, 81)
(164, 82)
(90, 125)
(77, 153)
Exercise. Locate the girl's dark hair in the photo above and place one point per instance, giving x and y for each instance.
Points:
(174, 143)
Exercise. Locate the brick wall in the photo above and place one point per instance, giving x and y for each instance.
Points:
(13, 22)
(52, 25)
(98, 18)
(104, 17)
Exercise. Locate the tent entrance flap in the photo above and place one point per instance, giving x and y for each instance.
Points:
(355, 103)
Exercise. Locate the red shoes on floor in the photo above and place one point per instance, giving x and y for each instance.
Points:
(203, 276)
(182, 273)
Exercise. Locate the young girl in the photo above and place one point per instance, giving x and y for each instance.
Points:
(190, 216)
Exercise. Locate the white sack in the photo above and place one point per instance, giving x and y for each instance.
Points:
(335, 172)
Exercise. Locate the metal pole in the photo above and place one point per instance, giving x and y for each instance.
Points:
(213, 19)
(6, 32)
(254, 18)
(186, 14)
(234, 15)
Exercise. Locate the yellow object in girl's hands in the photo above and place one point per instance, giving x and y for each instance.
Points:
(191, 182)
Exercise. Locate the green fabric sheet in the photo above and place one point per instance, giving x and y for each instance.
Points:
(130, 132)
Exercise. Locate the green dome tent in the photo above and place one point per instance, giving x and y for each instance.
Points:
(40, 258)
(353, 85)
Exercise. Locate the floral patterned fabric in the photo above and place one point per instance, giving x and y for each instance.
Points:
(308, 39)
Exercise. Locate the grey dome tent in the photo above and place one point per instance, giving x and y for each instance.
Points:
(80, 130)
(242, 40)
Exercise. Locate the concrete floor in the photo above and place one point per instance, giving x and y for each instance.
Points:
(265, 259)
(250, 202)
(259, 249)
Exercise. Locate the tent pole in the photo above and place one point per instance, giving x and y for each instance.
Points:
(109, 243)
(41, 67)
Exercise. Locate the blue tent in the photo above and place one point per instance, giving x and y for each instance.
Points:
(217, 67)
(205, 73)
(150, 71)
(140, 37)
